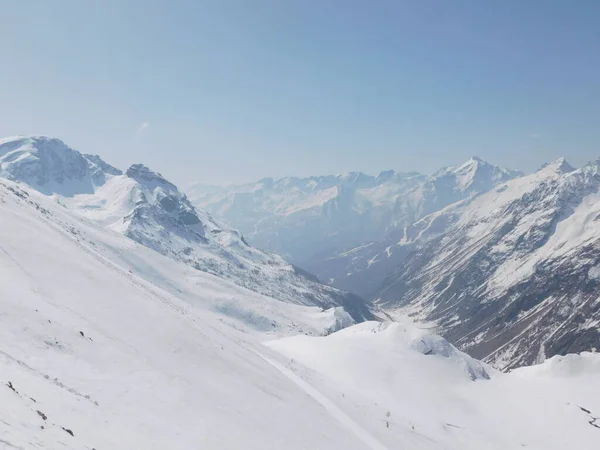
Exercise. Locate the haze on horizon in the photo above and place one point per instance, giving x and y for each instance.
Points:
(234, 91)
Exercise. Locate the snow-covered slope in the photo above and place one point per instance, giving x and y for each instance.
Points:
(425, 394)
(107, 344)
(146, 207)
(511, 275)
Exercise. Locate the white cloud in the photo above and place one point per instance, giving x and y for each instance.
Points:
(142, 127)
(535, 135)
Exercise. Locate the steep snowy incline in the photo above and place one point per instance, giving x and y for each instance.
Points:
(510, 276)
(420, 390)
(146, 207)
(92, 355)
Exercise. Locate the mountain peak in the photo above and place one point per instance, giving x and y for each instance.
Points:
(29, 139)
(51, 166)
(142, 171)
(559, 165)
(475, 162)
(386, 175)
(32, 143)
(355, 177)
(266, 181)
(473, 176)
(144, 175)
(470, 165)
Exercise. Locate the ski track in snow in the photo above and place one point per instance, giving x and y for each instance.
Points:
(329, 406)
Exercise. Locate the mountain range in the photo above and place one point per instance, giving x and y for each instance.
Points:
(317, 219)
(509, 275)
(130, 318)
(500, 263)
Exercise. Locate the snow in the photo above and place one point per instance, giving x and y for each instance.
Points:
(106, 343)
(585, 364)
(166, 368)
(311, 201)
(330, 406)
(594, 272)
(146, 207)
(479, 218)
(127, 348)
(524, 260)
(305, 210)
(50, 165)
(433, 402)
(372, 261)
(109, 204)
(317, 222)
(571, 233)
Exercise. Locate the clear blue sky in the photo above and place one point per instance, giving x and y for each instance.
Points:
(234, 90)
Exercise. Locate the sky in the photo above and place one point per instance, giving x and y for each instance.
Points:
(230, 91)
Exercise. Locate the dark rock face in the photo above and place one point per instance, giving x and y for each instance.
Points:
(142, 173)
(183, 212)
(168, 198)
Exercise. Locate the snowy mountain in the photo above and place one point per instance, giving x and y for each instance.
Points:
(106, 343)
(152, 211)
(406, 380)
(502, 265)
(363, 268)
(328, 224)
(306, 218)
(511, 275)
(51, 167)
